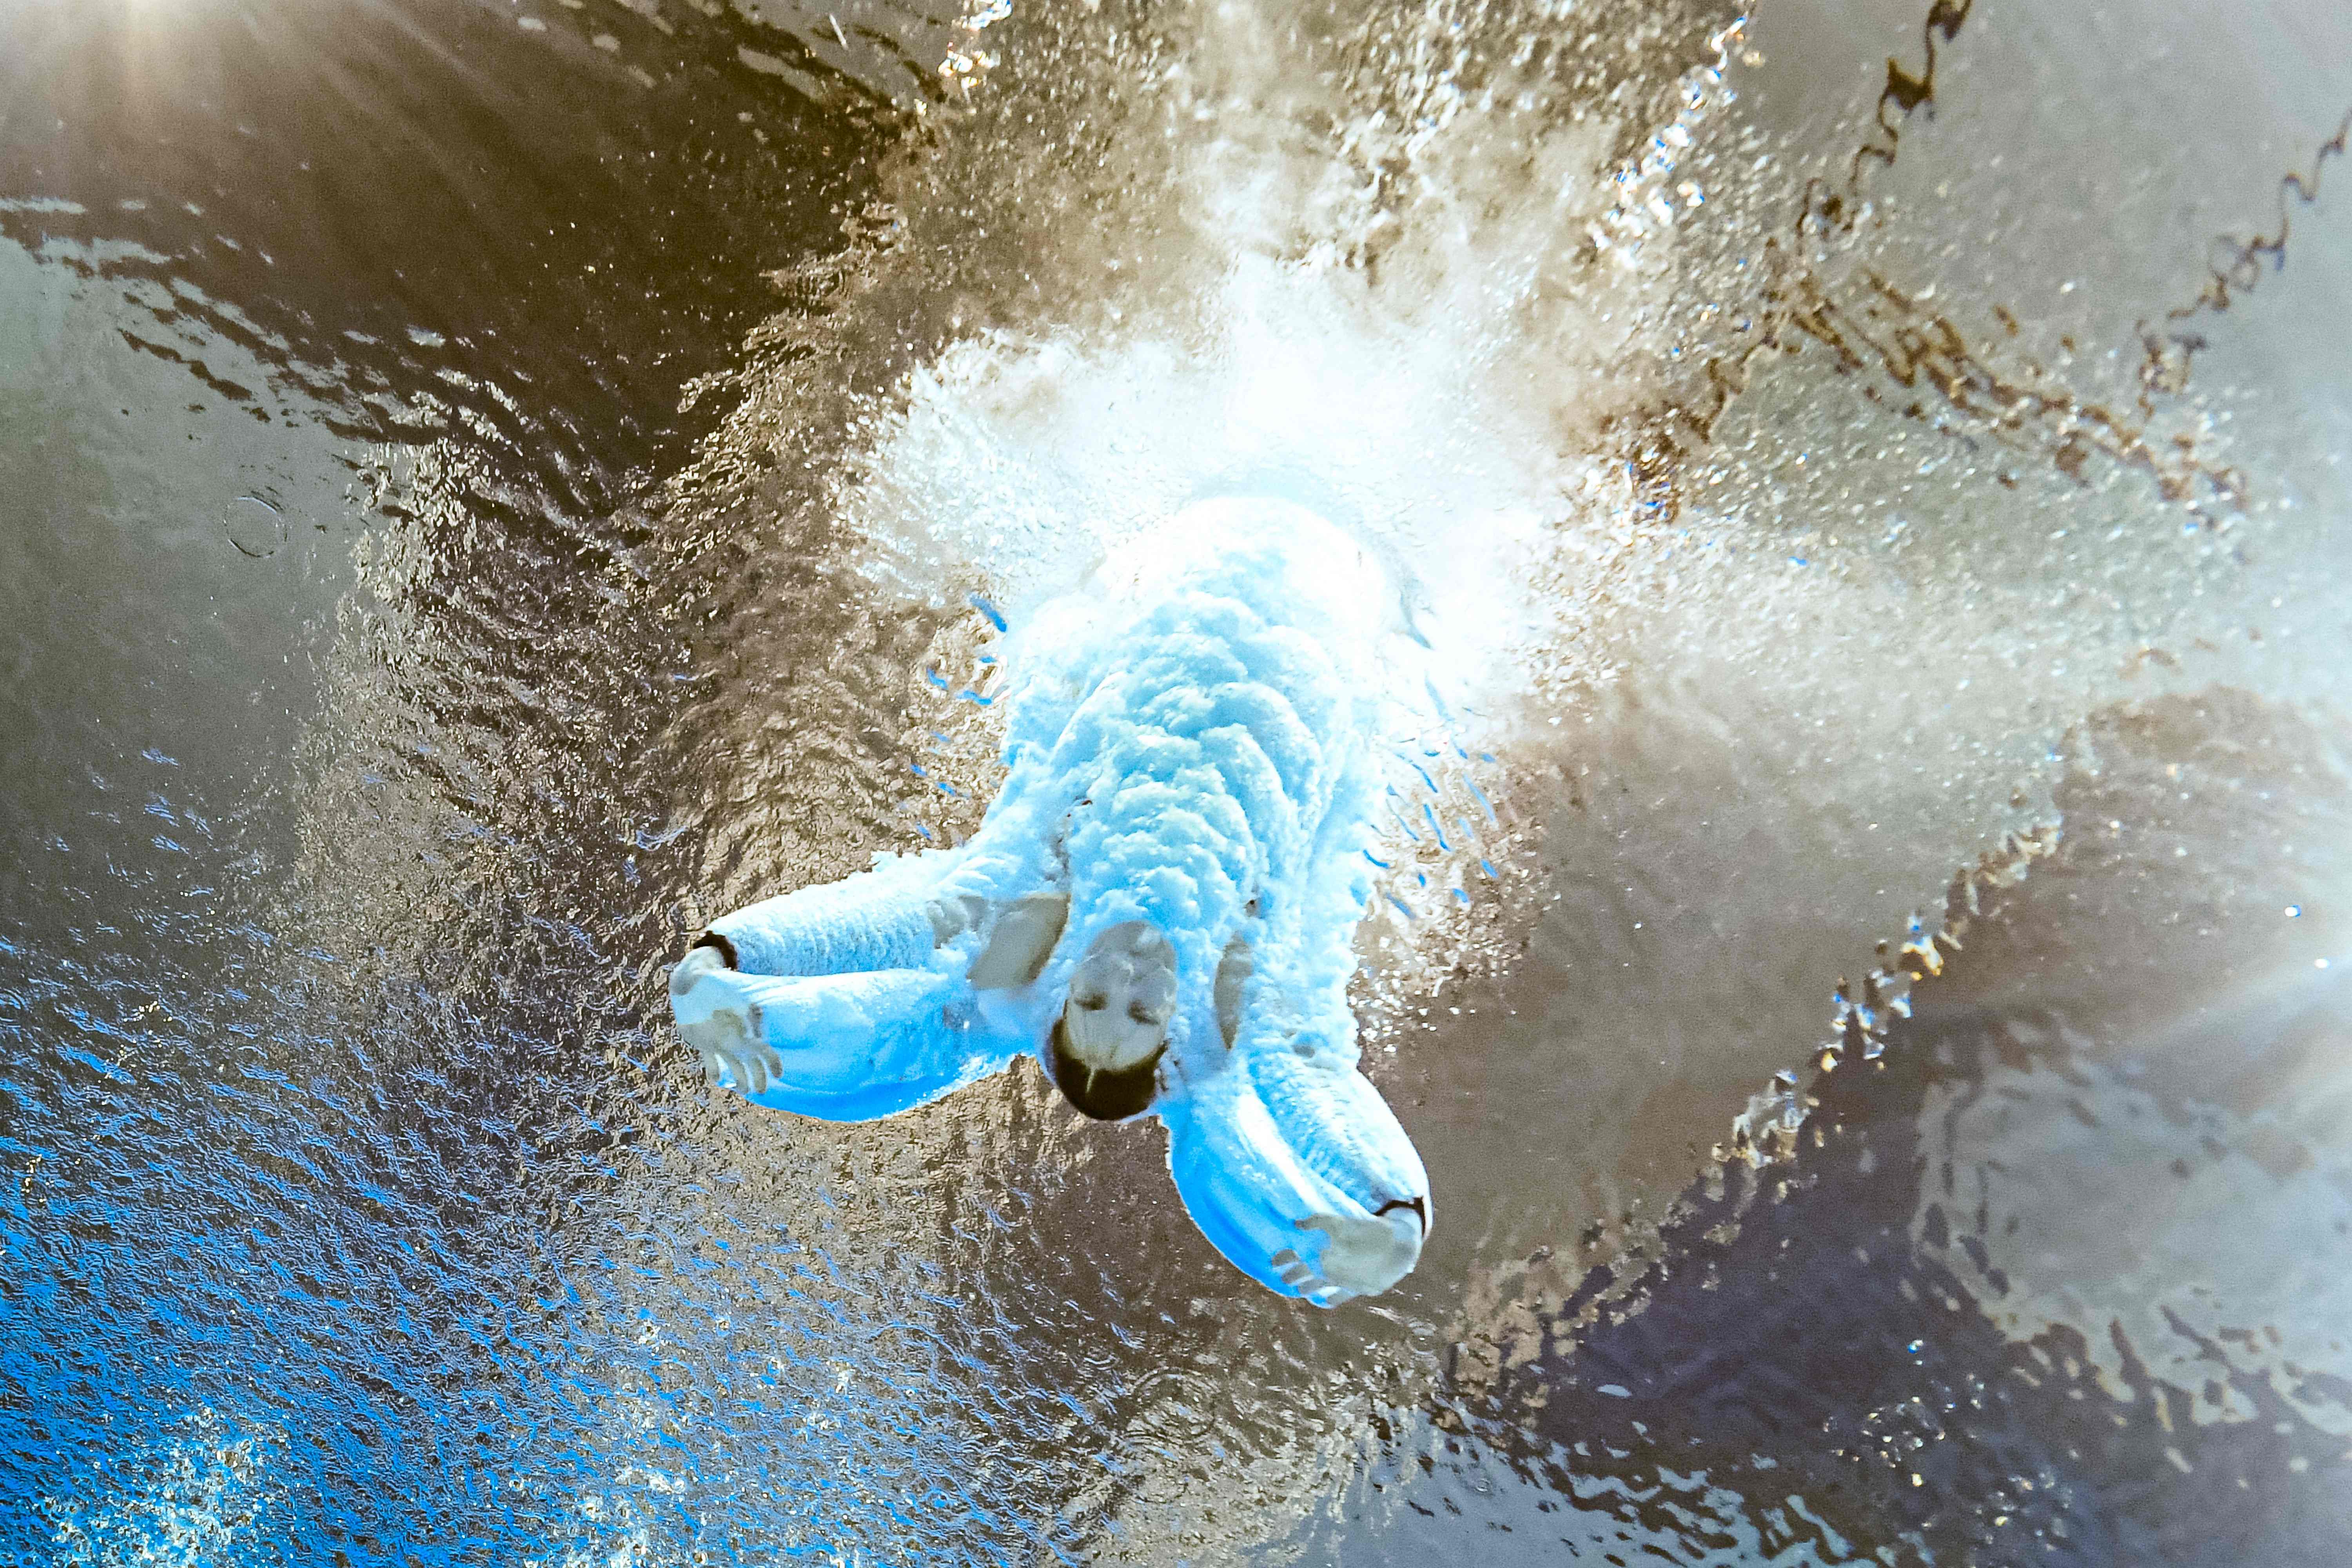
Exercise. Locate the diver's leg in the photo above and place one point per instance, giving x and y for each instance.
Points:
(1298, 1172)
(845, 1047)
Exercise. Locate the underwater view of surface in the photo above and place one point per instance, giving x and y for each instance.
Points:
(1865, 907)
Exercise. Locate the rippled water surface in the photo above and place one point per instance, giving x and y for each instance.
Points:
(485, 486)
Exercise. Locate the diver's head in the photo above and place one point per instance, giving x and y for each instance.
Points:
(1106, 1045)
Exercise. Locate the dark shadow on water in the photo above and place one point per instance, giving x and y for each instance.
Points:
(1831, 1354)
(1819, 1353)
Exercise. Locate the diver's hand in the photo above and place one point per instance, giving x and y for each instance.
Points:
(1297, 1170)
(1360, 1256)
(725, 1033)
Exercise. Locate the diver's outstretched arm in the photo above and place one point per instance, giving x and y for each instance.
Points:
(858, 999)
(1295, 1169)
(895, 915)
(881, 918)
(844, 1048)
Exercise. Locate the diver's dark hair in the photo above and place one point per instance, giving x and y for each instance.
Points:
(1102, 1094)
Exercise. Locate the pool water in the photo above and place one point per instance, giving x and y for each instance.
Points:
(486, 486)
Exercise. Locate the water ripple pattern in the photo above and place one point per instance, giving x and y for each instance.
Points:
(1859, 899)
